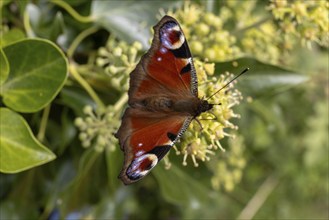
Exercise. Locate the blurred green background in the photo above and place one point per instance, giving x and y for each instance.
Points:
(59, 159)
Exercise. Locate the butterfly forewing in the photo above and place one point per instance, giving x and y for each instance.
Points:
(150, 126)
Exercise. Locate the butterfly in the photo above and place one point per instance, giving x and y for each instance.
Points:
(163, 100)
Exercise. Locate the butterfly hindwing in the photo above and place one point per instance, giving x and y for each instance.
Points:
(145, 139)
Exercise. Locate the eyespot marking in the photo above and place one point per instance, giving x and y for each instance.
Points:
(171, 36)
(141, 165)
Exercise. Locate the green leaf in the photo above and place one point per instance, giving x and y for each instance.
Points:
(128, 20)
(4, 2)
(261, 77)
(113, 167)
(19, 149)
(179, 188)
(38, 70)
(76, 99)
(44, 22)
(11, 37)
(89, 176)
(4, 71)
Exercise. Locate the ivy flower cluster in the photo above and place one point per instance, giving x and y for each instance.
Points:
(205, 33)
(237, 31)
(229, 166)
(118, 59)
(255, 32)
(201, 142)
(97, 128)
(305, 20)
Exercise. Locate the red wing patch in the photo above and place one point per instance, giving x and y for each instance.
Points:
(170, 59)
(145, 138)
(167, 67)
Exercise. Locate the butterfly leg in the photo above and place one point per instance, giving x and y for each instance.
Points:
(197, 120)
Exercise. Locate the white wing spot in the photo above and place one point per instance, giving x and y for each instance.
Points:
(163, 50)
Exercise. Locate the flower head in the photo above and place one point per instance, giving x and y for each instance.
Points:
(228, 168)
(97, 128)
(305, 21)
(118, 59)
(205, 33)
(201, 142)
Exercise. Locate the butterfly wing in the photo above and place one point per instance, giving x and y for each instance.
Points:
(167, 67)
(166, 71)
(145, 139)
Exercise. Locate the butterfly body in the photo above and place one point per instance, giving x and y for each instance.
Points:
(191, 106)
(163, 100)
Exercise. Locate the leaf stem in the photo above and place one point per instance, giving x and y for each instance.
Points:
(72, 12)
(27, 25)
(43, 123)
(85, 85)
(79, 39)
(256, 202)
(119, 104)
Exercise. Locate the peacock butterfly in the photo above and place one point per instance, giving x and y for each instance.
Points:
(163, 100)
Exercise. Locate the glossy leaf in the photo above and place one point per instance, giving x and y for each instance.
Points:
(179, 188)
(113, 168)
(19, 149)
(76, 99)
(11, 37)
(128, 20)
(38, 71)
(4, 71)
(44, 24)
(87, 178)
(261, 77)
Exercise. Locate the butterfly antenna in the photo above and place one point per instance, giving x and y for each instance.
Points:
(244, 71)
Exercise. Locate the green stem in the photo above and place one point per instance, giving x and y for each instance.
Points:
(259, 198)
(85, 85)
(79, 39)
(72, 12)
(43, 124)
(119, 104)
(27, 25)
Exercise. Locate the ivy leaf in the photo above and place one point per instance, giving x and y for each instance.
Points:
(19, 149)
(76, 99)
(261, 78)
(113, 168)
(179, 188)
(4, 71)
(11, 37)
(44, 22)
(38, 70)
(128, 20)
